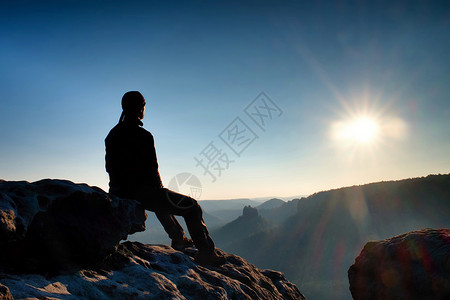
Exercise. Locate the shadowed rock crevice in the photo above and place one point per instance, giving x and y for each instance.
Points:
(5, 294)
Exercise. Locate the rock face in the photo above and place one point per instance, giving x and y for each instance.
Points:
(60, 240)
(415, 265)
(54, 224)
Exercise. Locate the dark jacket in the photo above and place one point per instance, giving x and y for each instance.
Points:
(131, 158)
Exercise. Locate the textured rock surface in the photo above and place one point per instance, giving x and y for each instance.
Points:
(54, 224)
(415, 265)
(138, 271)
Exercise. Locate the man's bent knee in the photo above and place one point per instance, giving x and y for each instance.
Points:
(180, 201)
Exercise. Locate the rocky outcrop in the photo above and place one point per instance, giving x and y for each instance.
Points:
(415, 265)
(55, 224)
(60, 240)
(138, 271)
(249, 212)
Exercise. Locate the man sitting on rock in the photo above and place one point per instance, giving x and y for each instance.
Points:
(133, 172)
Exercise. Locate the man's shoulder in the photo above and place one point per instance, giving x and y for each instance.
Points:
(125, 129)
(144, 131)
(114, 131)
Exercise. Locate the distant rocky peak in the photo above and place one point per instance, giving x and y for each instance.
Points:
(250, 212)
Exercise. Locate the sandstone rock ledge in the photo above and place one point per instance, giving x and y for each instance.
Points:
(61, 240)
(138, 271)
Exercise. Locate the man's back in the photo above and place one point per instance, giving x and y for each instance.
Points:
(131, 158)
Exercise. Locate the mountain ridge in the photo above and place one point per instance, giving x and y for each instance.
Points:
(316, 244)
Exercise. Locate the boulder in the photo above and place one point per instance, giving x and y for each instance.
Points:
(415, 265)
(57, 224)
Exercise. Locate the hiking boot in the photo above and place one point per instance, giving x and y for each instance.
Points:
(210, 259)
(182, 244)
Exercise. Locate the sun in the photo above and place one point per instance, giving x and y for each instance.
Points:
(365, 126)
(361, 130)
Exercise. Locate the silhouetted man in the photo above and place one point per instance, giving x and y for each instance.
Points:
(133, 172)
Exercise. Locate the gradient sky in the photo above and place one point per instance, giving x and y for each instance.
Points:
(64, 66)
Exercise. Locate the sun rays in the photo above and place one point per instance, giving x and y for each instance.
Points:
(363, 128)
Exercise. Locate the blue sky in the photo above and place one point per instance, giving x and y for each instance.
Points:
(66, 64)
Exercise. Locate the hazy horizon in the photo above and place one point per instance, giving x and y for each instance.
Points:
(275, 99)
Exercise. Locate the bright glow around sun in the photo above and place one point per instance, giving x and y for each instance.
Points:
(364, 129)
(360, 130)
